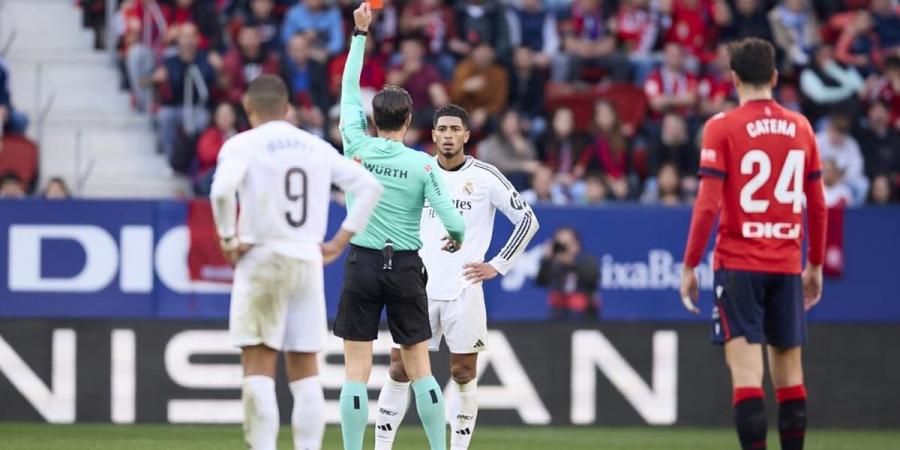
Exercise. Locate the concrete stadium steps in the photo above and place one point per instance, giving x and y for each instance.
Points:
(52, 56)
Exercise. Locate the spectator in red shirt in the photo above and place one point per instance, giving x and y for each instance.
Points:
(637, 25)
(691, 23)
(209, 144)
(589, 44)
(372, 77)
(716, 90)
(611, 149)
(421, 79)
(671, 87)
(244, 62)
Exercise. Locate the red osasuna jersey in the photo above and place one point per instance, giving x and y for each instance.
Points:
(760, 167)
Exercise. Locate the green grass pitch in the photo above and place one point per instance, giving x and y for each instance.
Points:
(17, 436)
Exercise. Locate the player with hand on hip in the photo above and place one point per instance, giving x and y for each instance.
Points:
(456, 299)
(283, 177)
(760, 165)
(383, 269)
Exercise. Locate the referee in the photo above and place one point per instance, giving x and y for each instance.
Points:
(383, 269)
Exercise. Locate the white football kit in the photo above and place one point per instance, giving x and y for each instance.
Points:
(283, 176)
(456, 306)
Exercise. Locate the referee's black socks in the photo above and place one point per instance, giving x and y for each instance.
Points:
(750, 417)
(792, 416)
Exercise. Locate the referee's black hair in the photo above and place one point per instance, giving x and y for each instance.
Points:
(391, 108)
(753, 60)
(451, 110)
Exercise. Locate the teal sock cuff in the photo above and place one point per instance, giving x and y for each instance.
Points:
(423, 385)
(352, 388)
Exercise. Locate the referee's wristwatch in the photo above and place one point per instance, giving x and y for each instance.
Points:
(358, 32)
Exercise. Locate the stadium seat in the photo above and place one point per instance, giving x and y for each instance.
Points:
(629, 100)
(20, 155)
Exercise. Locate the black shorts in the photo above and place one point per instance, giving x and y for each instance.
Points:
(762, 307)
(368, 288)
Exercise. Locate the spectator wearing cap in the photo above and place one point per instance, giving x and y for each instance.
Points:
(244, 62)
(56, 189)
(321, 22)
(306, 78)
(533, 27)
(185, 81)
(11, 121)
(480, 22)
(11, 186)
(421, 79)
(588, 43)
(796, 31)
(480, 85)
(836, 143)
(672, 87)
(828, 86)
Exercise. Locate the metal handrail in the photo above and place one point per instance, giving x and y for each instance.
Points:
(82, 173)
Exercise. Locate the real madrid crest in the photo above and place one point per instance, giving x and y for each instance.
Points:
(469, 188)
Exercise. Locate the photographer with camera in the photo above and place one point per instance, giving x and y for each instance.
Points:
(571, 276)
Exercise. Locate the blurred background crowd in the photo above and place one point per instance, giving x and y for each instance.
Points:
(578, 102)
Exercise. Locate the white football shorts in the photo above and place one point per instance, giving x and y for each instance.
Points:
(461, 322)
(278, 301)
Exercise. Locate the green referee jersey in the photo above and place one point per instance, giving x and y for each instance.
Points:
(409, 177)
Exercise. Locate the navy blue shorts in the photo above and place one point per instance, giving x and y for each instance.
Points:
(762, 307)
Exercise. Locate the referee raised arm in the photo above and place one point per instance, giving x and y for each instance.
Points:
(383, 268)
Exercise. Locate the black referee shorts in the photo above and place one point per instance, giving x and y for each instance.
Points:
(368, 288)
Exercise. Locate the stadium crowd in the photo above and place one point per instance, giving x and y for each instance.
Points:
(576, 101)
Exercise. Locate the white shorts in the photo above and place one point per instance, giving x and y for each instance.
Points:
(461, 322)
(278, 301)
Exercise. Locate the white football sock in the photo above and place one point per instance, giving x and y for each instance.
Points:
(308, 416)
(392, 403)
(463, 412)
(260, 412)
